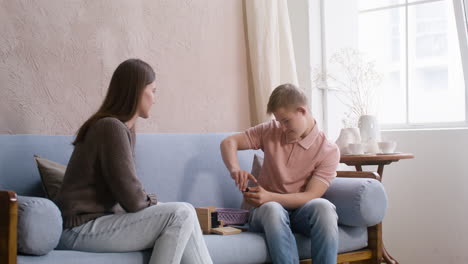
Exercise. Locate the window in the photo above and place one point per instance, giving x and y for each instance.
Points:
(417, 47)
(465, 3)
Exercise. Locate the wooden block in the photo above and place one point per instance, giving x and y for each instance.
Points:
(221, 223)
(242, 228)
(204, 218)
(210, 208)
(227, 230)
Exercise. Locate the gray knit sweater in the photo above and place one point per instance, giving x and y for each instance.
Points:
(101, 175)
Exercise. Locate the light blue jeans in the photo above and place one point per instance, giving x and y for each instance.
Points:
(171, 229)
(316, 219)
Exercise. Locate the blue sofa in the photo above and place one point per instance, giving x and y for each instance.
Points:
(177, 167)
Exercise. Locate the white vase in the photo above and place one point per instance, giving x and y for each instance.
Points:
(347, 136)
(370, 131)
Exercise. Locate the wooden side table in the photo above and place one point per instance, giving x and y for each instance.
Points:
(379, 160)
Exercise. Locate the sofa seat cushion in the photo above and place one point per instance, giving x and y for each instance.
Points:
(350, 239)
(39, 225)
(248, 247)
(245, 247)
(79, 257)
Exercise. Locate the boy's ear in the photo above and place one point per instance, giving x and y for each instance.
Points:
(302, 109)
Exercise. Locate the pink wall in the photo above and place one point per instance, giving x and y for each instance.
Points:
(56, 59)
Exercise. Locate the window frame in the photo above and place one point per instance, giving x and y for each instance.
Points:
(461, 20)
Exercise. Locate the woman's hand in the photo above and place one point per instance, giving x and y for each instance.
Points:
(257, 196)
(242, 177)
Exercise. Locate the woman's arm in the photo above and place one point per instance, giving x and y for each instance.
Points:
(118, 166)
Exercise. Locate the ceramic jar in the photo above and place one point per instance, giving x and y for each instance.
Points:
(370, 132)
(346, 137)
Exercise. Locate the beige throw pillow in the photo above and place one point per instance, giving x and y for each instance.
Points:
(51, 175)
(257, 164)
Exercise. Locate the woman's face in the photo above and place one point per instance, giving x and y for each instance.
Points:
(147, 100)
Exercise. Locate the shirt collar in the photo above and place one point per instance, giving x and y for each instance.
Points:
(308, 140)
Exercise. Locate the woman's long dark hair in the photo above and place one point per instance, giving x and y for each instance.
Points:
(125, 89)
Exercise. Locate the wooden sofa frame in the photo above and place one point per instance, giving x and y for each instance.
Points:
(8, 224)
(372, 254)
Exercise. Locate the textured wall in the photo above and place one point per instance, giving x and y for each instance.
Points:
(56, 59)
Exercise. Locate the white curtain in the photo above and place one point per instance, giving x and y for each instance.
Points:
(270, 49)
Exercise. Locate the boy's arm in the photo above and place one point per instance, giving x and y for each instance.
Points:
(229, 148)
(315, 189)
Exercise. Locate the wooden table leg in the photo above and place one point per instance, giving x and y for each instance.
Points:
(380, 171)
(386, 256)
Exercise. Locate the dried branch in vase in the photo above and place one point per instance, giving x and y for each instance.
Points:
(356, 80)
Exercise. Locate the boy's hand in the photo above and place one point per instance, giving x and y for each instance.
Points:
(241, 177)
(257, 196)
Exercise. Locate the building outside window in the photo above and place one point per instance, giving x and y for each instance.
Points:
(419, 50)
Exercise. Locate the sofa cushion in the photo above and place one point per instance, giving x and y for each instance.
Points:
(39, 225)
(246, 247)
(80, 257)
(249, 247)
(51, 175)
(257, 165)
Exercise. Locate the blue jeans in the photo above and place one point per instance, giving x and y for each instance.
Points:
(170, 229)
(316, 219)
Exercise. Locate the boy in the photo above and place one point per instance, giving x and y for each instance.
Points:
(299, 165)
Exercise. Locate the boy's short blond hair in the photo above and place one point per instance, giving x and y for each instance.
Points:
(287, 96)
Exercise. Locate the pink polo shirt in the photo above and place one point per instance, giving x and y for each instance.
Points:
(288, 166)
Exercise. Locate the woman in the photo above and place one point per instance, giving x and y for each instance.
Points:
(103, 204)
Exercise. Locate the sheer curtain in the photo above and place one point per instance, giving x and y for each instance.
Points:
(271, 50)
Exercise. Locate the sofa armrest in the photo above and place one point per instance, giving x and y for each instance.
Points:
(358, 201)
(39, 225)
(8, 226)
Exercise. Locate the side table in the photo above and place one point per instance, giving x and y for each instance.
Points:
(379, 160)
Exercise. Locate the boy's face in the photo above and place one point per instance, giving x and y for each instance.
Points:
(295, 122)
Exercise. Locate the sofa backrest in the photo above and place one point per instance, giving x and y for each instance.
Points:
(177, 167)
